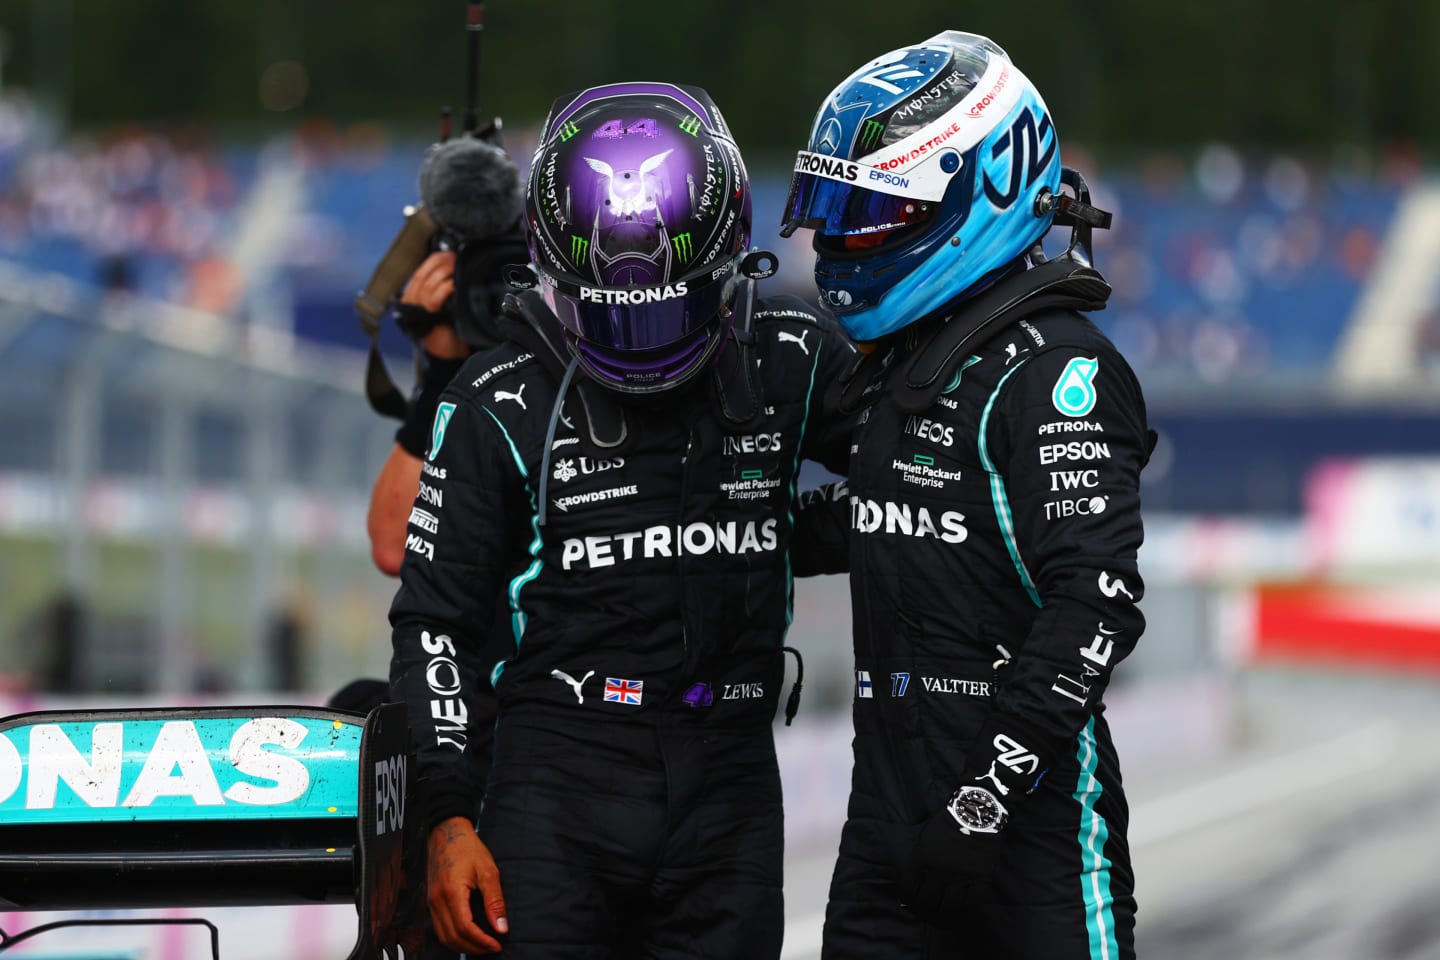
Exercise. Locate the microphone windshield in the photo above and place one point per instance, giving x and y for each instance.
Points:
(471, 188)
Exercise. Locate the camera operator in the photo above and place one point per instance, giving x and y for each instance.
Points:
(472, 190)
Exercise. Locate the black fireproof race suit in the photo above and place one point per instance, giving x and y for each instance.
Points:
(633, 807)
(993, 536)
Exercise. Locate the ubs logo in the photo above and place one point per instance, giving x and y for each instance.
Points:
(567, 469)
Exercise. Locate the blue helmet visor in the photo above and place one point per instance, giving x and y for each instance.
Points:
(833, 208)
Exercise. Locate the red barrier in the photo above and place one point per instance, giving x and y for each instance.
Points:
(1347, 625)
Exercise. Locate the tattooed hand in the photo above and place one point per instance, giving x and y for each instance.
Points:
(459, 863)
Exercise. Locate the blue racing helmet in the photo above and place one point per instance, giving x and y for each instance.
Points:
(924, 178)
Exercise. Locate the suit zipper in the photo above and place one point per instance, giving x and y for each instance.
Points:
(679, 540)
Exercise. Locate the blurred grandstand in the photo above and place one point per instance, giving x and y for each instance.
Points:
(182, 476)
(189, 455)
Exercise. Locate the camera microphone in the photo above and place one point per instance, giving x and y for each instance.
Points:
(472, 189)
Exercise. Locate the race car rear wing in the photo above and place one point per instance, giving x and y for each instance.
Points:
(217, 806)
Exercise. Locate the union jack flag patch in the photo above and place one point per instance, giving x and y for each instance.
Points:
(623, 691)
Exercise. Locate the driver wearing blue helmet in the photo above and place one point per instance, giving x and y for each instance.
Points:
(993, 515)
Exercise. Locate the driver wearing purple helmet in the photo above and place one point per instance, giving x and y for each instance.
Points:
(623, 469)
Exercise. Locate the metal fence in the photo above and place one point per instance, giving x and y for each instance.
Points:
(182, 497)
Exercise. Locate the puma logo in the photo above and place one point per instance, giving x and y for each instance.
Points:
(1003, 790)
(1010, 353)
(574, 684)
(785, 337)
(516, 396)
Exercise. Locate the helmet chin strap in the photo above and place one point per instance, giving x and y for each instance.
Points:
(550, 435)
(739, 396)
(1069, 280)
(736, 388)
(528, 322)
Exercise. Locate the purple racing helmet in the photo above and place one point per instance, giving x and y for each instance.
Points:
(639, 212)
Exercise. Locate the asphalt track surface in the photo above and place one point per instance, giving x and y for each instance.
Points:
(1314, 833)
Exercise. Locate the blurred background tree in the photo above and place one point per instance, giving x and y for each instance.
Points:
(1120, 74)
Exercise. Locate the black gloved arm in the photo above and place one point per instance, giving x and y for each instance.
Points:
(415, 321)
(1068, 440)
(958, 846)
(413, 436)
(458, 545)
(828, 438)
(822, 531)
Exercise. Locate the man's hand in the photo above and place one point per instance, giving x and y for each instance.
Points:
(956, 850)
(946, 869)
(432, 283)
(458, 864)
(444, 343)
(421, 305)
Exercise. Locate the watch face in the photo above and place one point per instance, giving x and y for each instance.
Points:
(977, 809)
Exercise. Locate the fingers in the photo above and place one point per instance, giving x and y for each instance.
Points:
(450, 910)
(432, 282)
(417, 282)
(439, 265)
(459, 931)
(459, 864)
(488, 879)
(437, 293)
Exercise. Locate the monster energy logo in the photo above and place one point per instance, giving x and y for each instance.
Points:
(690, 125)
(684, 249)
(870, 134)
(568, 130)
(579, 248)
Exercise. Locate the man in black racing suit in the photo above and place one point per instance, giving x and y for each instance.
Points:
(634, 502)
(994, 520)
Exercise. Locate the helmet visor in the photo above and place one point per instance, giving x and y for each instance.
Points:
(847, 198)
(644, 370)
(648, 371)
(639, 318)
(843, 209)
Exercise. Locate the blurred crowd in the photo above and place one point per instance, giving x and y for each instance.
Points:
(130, 208)
(1230, 266)
(1224, 265)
